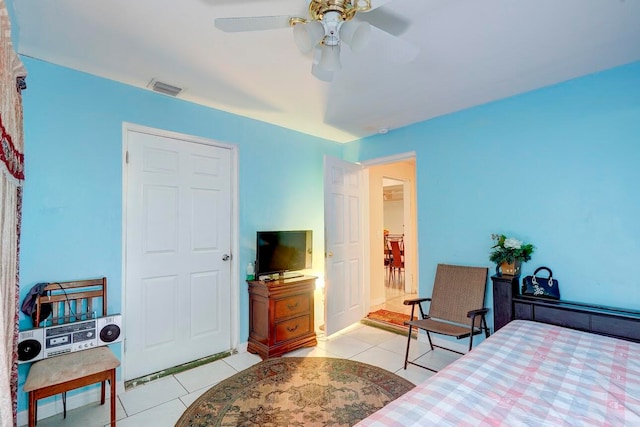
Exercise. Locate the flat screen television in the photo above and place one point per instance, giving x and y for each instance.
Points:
(280, 251)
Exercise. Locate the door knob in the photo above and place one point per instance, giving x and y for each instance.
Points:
(226, 257)
(330, 254)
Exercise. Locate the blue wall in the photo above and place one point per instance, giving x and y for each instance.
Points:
(72, 207)
(557, 167)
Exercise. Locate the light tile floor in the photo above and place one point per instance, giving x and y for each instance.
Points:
(394, 297)
(161, 402)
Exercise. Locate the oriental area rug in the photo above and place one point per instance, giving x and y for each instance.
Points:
(296, 392)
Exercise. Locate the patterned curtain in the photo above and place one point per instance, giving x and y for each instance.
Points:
(12, 81)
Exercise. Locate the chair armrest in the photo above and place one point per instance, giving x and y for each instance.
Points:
(477, 312)
(415, 301)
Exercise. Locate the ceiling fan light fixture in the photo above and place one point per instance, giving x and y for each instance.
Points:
(355, 34)
(307, 35)
(362, 5)
(320, 74)
(330, 58)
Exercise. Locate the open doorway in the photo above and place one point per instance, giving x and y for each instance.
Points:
(367, 292)
(392, 215)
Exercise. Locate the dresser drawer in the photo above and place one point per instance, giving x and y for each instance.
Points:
(292, 328)
(292, 306)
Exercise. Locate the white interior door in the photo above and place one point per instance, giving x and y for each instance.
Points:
(177, 267)
(344, 248)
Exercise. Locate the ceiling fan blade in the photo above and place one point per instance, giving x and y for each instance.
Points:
(385, 19)
(395, 48)
(252, 23)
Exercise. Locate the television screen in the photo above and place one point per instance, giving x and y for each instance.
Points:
(280, 251)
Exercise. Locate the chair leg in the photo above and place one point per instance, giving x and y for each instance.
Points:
(473, 322)
(483, 325)
(406, 355)
(486, 328)
(429, 338)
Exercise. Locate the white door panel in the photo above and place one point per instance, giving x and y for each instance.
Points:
(344, 302)
(178, 222)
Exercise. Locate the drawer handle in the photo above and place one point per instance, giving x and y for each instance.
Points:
(293, 307)
(292, 329)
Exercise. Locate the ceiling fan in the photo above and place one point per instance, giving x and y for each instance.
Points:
(330, 23)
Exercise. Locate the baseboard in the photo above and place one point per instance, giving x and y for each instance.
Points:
(378, 301)
(53, 405)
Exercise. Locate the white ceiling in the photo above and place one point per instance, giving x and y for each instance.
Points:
(471, 52)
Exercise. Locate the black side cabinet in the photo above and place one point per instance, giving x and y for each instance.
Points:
(505, 287)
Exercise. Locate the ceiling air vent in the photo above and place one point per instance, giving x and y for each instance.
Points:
(165, 88)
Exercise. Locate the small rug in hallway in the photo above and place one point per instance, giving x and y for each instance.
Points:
(297, 391)
(390, 317)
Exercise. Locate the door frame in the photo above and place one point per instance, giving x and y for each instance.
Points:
(409, 188)
(365, 219)
(234, 238)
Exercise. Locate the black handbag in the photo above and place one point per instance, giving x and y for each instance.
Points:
(541, 287)
(29, 303)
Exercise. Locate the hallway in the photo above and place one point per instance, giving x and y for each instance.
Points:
(394, 296)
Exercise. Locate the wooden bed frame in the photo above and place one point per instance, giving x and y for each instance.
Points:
(509, 305)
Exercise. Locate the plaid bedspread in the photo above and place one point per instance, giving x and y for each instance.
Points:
(528, 374)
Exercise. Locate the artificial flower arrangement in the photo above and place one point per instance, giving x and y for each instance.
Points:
(508, 250)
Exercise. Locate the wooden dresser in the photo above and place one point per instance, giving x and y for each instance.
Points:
(281, 316)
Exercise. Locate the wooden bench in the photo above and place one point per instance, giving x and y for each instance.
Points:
(70, 371)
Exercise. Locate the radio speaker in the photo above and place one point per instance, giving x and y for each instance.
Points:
(30, 345)
(109, 329)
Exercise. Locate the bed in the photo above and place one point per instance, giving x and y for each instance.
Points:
(528, 373)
